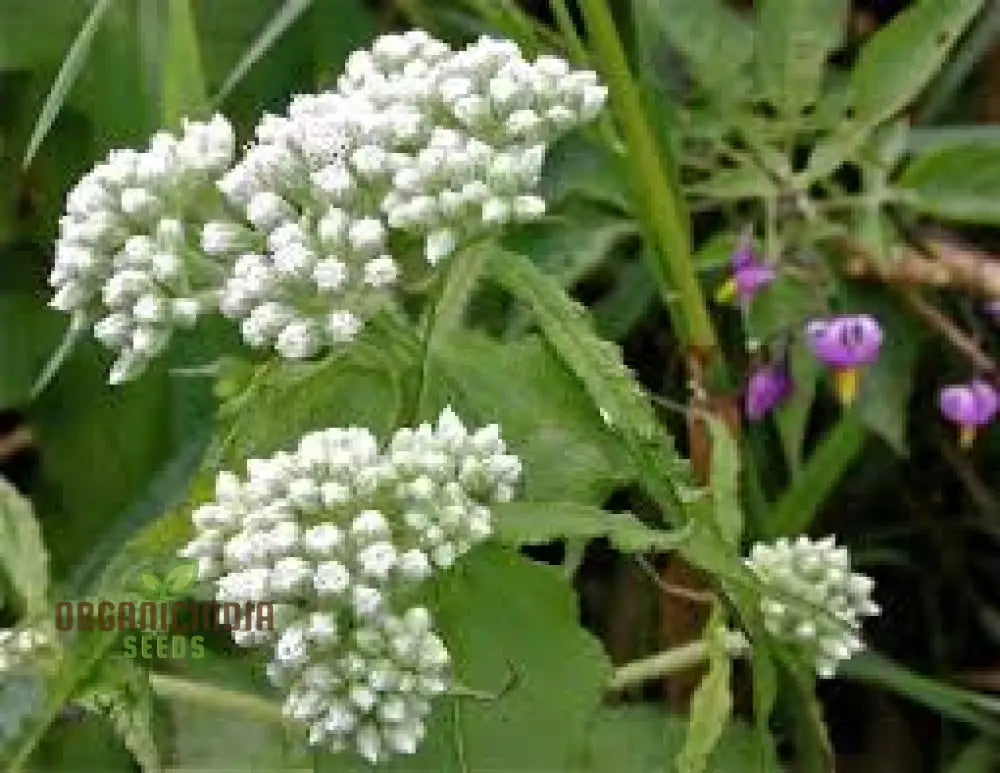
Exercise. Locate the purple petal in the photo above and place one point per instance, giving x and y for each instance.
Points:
(751, 278)
(766, 388)
(973, 404)
(845, 341)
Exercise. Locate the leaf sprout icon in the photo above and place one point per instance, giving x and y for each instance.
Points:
(171, 585)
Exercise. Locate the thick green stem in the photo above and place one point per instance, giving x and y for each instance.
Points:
(652, 172)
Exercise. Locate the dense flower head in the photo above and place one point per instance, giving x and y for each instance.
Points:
(301, 239)
(812, 599)
(970, 406)
(338, 534)
(414, 141)
(127, 252)
(767, 387)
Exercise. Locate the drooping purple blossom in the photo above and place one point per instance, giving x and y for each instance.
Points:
(769, 385)
(970, 406)
(845, 343)
(747, 273)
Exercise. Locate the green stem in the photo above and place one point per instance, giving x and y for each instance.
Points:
(564, 21)
(208, 695)
(652, 172)
(671, 661)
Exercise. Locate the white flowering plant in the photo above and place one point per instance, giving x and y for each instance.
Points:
(368, 353)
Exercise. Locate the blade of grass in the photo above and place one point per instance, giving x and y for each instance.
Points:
(797, 508)
(71, 66)
(274, 29)
(971, 708)
(183, 79)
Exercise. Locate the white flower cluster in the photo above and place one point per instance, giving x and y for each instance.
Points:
(302, 239)
(19, 645)
(125, 246)
(339, 534)
(418, 139)
(812, 598)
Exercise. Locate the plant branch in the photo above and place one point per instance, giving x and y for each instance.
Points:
(671, 661)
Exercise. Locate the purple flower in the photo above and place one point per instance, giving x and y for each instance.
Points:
(768, 386)
(993, 309)
(970, 406)
(845, 343)
(748, 274)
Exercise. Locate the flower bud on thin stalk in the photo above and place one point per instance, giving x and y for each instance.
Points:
(340, 534)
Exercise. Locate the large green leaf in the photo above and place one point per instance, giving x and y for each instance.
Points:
(794, 40)
(956, 183)
(725, 479)
(892, 70)
(28, 335)
(359, 385)
(715, 42)
(23, 557)
(511, 626)
(645, 739)
(567, 452)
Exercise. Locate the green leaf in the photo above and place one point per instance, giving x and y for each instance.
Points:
(545, 415)
(641, 738)
(71, 66)
(276, 26)
(974, 709)
(960, 183)
(184, 90)
(617, 397)
(151, 582)
(34, 36)
(742, 182)
(715, 42)
(711, 708)
(573, 242)
(794, 40)
(500, 612)
(892, 70)
(798, 506)
(224, 715)
(577, 166)
(120, 692)
(181, 577)
(28, 334)
(793, 416)
(725, 479)
(979, 756)
(536, 523)
(359, 385)
(24, 559)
